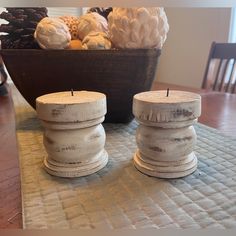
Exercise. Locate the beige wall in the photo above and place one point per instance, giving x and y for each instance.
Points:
(185, 52)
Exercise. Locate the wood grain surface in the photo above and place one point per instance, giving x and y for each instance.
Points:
(10, 196)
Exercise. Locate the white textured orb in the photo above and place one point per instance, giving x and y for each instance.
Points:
(52, 33)
(91, 22)
(96, 40)
(138, 27)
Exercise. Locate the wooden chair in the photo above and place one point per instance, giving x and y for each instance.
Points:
(220, 70)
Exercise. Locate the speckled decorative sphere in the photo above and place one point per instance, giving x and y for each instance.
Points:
(91, 22)
(72, 23)
(96, 40)
(52, 33)
(138, 27)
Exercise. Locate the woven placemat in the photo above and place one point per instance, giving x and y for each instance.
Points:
(119, 196)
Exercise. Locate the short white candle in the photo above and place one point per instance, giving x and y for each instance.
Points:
(165, 136)
(74, 137)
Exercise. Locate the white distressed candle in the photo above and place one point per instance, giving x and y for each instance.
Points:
(165, 136)
(74, 137)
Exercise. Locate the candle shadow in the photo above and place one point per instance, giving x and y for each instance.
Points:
(29, 124)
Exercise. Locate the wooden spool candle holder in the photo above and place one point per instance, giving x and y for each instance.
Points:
(166, 136)
(74, 137)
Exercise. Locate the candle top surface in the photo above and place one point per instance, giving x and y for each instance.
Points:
(174, 97)
(66, 97)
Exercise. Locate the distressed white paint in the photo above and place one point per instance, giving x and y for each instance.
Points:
(74, 138)
(158, 109)
(165, 136)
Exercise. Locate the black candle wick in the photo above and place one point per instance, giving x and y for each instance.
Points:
(72, 92)
(167, 92)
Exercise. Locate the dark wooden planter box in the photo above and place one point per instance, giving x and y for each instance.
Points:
(119, 74)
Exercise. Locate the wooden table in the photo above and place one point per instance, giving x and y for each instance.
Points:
(10, 196)
(218, 111)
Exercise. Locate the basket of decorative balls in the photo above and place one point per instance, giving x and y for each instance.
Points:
(110, 50)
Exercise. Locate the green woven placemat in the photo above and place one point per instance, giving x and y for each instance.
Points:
(119, 196)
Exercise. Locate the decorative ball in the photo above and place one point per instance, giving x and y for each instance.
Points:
(72, 23)
(75, 44)
(91, 22)
(138, 27)
(103, 11)
(96, 40)
(52, 33)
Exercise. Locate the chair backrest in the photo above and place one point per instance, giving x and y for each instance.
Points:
(3, 74)
(221, 65)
